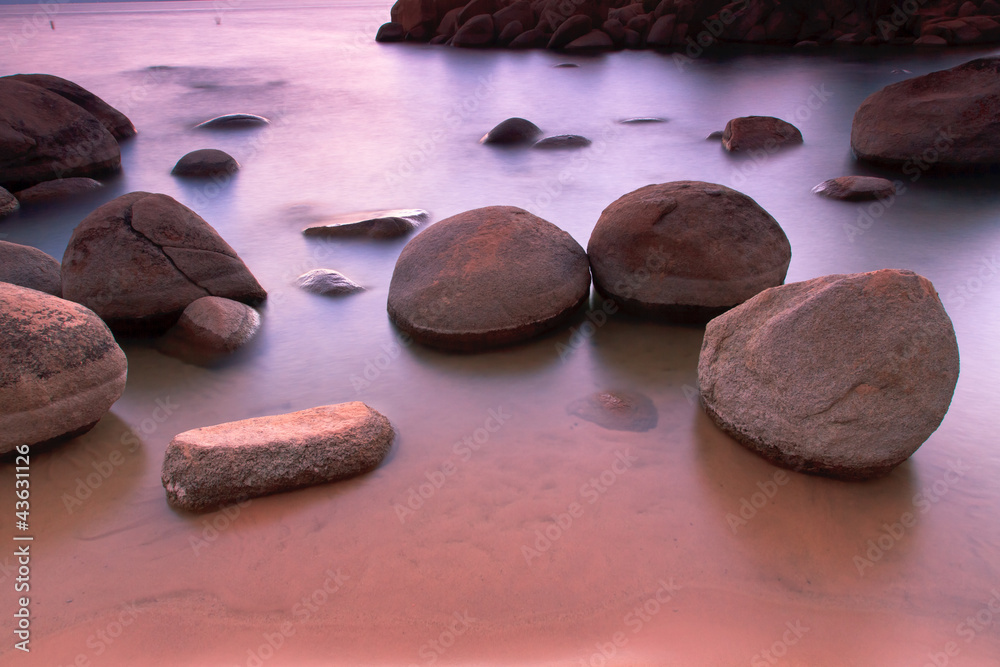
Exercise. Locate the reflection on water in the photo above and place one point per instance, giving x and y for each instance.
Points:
(538, 537)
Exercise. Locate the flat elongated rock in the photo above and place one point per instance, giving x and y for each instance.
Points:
(62, 188)
(856, 188)
(617, 410)
(374, 224)
(205, 162)
(114, 120)
(210, 327)
(328, 282)
(759, 133)
(512, 131)
(214, 466)
(29, 267)
(60, 368)
(233, 121)
(140, 259)
(488, 277)
(946, 119)
(562, 141)
(843, 375)
(686, 251)
(639, 120)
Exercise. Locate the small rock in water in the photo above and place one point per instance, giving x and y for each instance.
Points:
(566, 65)
(214, 466)
(59, 189)
(375, 224)
(8, 203)
(390, 32)
(856, 188)
(563, 141)
(717, 135)
(759, 132)
(210, 327)
(617, 410)
(643, 119)
(205, 162)
(327, 281)
(233, 121)
(29, 267)
(512, 131)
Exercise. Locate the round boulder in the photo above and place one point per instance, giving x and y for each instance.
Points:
(114, 120)
(60, 368)
(205, 162)
(485, 278)
(686, 251)
(210, 327)
(751, 133)
(843, 375)
(140, 259)
(512, 131)
(390, 32)
(29, 267)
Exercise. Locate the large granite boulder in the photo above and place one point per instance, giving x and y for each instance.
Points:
(44, 136)
(215, 466)
(60, 368)
(948, 119)
(755, 133)
(686, 251)
(29, 267)
(843, 375)
(140, 259)
(114, 120)
(488, 277)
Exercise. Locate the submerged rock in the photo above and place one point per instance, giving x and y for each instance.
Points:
(617, 410)
(60, 368)
(485, 278)
(843, 375)
(215, 466)
(386, 224)
(29, 267)
(59, 189)
(210, 327)
(115, 121)
(141, 259)
(686, 251)
(512, 131)
(563, 141)
(328, 282)
(205, 162)
(759, 133)
(234, 121)
(638, 120)
(856, 188)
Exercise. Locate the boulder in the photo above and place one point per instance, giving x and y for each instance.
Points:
(477, 32)
(616, 31)
(595, 40)
(843, 375)
(686, 251)
(616, 410)
(856, 188)
(214, 466)
(509, 33)
(29, 267)
(519, 11)
(390, 32)
(512, 131)
(60, 368)
(563, 141)
(115, 121)
(759, 133)
(661, 34)
(946, 120)
(426, 13)
(328, 282)
(485, 278)
(477, 8)
(140, 259)
(62, 188)
(387, 224)
(572, 28)
(233, 121)
(205, 162)
(8, 203)
(210, 327)
(530, 39)
(642, 120)
(44, 136)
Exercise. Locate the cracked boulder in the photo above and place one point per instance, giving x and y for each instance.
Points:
(843, 375)
(141, 259)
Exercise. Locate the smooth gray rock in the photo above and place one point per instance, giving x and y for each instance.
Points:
(328, 282)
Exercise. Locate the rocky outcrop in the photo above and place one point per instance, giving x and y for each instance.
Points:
(686, 251)
(204, 163)
(856, 188)
(210, 327)
(141, 259)
(215, 466)
(485, 278)
(60, 368)
(843, 375)
(115, 121)
(29, 267)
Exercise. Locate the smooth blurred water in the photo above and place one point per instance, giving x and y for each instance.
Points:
(654, 571)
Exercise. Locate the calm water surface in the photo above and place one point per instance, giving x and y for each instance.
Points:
(486, 566)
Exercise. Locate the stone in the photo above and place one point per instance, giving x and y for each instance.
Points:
(234, 121)
(62, 188)
(214, 466)
(60, 368)
(519, 11)
(477, 32)
(856, 188)
(759, 133)
(572, 28)
(390, 32)
(44, 136)
(947, 120)
(327, 282)
(205, 162)
(210, 327)
(139, 260)
(512, 131)
(617, 410)
(486, 278)
(563, 141)
(387, 224)
(641, 120)
(686, 251)
(616, 31)
(113, 120)
(8, 203)
(530, 39)
(843, 375)
(595, 40)
(477, 8)
(426, 13)
(509, 33)
(661, 34)
(29, 267)
(930, 40)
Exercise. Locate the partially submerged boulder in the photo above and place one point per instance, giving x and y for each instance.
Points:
(62, 188)
(759, 133)
(562, 141)
(29, 267)
(114, 120)
(512, 131)
(856, 188)
(843, 375)
(210, 327)
(205, 162)
(386, 224)
(327, 282)
(214, 466)
(233, 121)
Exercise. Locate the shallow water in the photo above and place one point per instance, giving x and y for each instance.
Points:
(651, 568)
